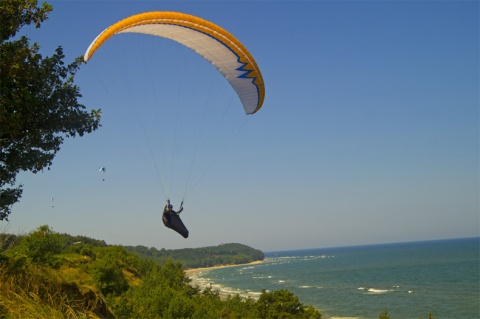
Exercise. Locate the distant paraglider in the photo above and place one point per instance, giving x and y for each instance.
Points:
(102, 169)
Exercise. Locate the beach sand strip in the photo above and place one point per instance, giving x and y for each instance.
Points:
(194, 274)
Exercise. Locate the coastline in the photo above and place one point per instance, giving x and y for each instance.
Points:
(192, 271)
(195, 280)
(194, 275)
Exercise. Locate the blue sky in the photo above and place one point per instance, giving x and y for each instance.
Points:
(369, 132)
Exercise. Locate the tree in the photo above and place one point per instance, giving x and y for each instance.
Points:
(41, 246)
(283, 304)
(39, 105)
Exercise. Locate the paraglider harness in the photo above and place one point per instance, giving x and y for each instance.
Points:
(171, 219)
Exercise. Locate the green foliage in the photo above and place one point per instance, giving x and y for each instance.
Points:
(42, 246)
(76, 241)
(282, 304)
(151, 298)
(16, 14)
(38, 291)
(38, 101)
(133, 287)
(109, 277)
(8, 240)
(383, 315)
(180, 306)
(237, 307)
(225, 254)
(87, 251)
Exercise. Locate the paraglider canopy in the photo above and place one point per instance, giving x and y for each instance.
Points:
(207, 39)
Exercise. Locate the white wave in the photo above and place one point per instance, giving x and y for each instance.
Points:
(281, 281)
(377, 291)
(249, 267)
(289, 259)
(286, 258)
(305, 287)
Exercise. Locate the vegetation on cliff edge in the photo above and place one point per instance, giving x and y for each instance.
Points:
(45, 274)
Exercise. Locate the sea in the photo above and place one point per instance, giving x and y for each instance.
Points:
(407, 280)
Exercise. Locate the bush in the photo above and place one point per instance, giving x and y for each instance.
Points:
(109, 277)
(41, 246)
(283, 304)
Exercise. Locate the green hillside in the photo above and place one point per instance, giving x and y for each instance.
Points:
(224, 254)
(45, 274)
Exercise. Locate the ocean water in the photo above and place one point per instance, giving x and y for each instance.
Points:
(409, 280)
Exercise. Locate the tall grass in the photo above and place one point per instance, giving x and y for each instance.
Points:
(37, 293)
(33, 291)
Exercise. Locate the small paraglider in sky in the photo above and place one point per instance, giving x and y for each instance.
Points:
(102, 169)
(51, 201)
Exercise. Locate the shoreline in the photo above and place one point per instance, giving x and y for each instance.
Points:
(194, 275)
(192, 271)
(203, 283)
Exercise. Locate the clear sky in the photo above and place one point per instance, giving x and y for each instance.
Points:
(369, 132)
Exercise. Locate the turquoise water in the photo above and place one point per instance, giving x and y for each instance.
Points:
(409, 280)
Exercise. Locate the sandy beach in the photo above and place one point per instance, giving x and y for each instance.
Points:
(195, 273)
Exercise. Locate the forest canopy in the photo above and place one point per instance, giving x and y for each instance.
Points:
(224, 254)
